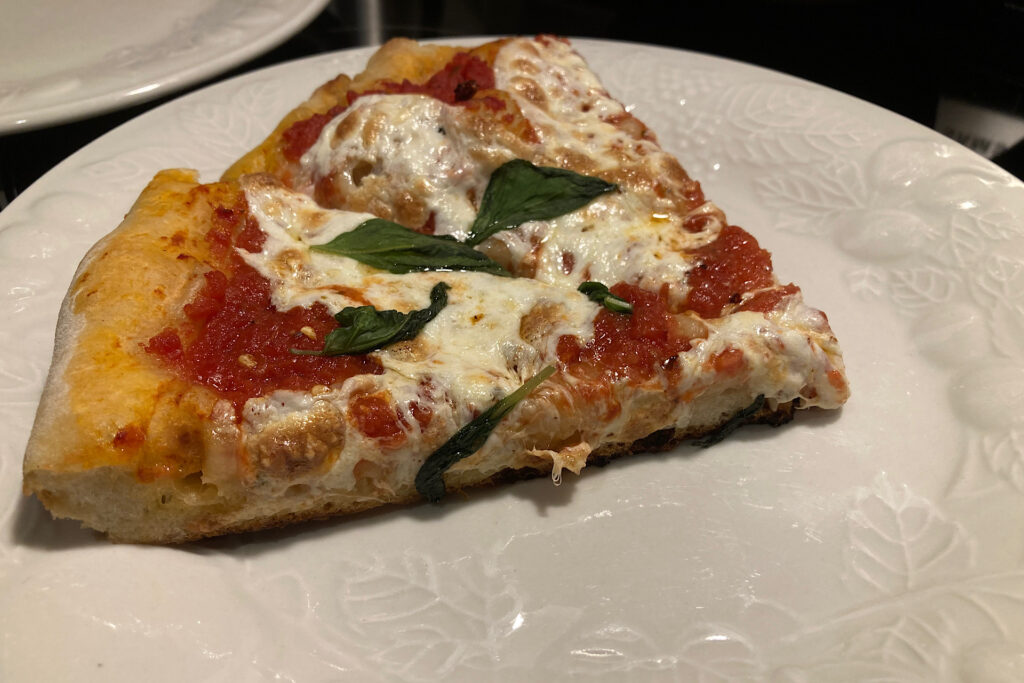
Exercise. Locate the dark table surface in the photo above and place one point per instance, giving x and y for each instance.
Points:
(903, 56)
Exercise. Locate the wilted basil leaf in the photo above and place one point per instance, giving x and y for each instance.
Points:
(731, 425)
(519, 192)
(362, 329)
(397, 249)
(598, 293)
(469, 439)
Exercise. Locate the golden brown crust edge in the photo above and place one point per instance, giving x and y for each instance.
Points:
(103, 392)
(111, 305)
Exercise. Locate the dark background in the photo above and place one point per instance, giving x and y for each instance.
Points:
(903, 56)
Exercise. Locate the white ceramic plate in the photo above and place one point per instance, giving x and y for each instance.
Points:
(882, 543)
(62, 60)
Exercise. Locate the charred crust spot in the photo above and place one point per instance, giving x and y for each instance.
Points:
(658, 441)
(568, 262)
(465, 90)
(224, 213)
(128, 437)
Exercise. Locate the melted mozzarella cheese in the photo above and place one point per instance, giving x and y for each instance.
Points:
(608, 241)
(566, 102)
(424, 147)
(474, 351)
(474, 344)
(579, 122)
(415, 141)
(623, 237)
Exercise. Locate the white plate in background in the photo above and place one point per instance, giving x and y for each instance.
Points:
(62, 60)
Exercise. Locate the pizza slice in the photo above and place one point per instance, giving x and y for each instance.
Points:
(458, 267)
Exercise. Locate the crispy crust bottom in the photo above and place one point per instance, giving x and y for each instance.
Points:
(173, 528)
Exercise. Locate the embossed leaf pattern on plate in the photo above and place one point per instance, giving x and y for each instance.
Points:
(702, 654)
(882, 544)
(898, 541)
(430, 617)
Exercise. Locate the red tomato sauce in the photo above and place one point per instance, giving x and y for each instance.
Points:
(457, 82)
(727, 268)
(234, 341)
(301, 135)
(769, 299)
(376, 417)
(633, 346)
(728, 362)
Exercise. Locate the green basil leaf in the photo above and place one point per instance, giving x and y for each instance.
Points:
(362, 329)
(469, 439)
(389, 246)
(598, 293)
(519, 192)
(731, 425)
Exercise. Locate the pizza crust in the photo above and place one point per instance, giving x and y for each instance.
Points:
(184, 481)
(123, 443)
(112, 307)
(113, 501)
